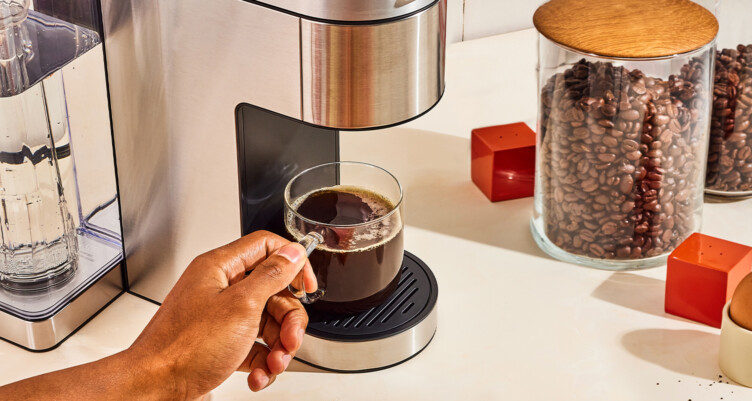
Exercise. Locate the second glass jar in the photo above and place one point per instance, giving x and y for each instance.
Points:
(729, 172)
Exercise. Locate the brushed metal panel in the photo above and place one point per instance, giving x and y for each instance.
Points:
(138, 97)
(366, 76)
(178, 69)
(356, 356)
(45, 334)
(349, 10)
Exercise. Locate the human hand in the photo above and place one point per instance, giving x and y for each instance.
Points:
(208, 325)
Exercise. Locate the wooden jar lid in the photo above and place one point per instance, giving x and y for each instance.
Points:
(627, 28)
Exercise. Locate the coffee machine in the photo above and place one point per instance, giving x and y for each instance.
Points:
(217, 104)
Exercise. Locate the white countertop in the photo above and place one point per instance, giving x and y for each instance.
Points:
(513, 323)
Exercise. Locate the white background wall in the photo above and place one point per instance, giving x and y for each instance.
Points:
(472, 19)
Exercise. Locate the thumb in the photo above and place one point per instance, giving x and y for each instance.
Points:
(275, 273)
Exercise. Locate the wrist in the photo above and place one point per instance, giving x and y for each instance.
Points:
(152, 376)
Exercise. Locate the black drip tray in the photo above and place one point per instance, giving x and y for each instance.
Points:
(414, 298)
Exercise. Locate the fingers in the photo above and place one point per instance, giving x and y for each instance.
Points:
(245, 254)
(273, 274)
(279, 357)
(234, 260)
(307, 274)
(311, 282)
(282, 328)
(292, 319)
(255, 363)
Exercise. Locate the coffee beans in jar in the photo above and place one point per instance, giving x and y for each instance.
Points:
(729, 170)
(621, 159)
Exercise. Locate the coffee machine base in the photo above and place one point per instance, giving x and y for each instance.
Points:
(381, 337)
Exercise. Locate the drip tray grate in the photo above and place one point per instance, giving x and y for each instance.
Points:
(414, 298)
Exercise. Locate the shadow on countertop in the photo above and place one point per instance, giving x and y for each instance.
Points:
(434, 170)
(636, 292)
(689, 352)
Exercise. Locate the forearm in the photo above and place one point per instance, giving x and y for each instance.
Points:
(118, 377)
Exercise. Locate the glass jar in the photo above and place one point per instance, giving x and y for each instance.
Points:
(622, 130)
(729, 173)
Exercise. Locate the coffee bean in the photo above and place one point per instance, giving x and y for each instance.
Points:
(675, 126)
(667, 234)
(744, 153)
(624, 252)
(590, 185)
(636, 253)
(629, 145)
(627, 184)
(666, 136)
(653, 206)
(630, 115)
(597, 250)
(682, 196)
(668, 208)
(583, 166)
(635, 155)
(641, 173)
(660, 119)
(610, 141)
(587, 236)
(656, 154)
(581, 133)
(654, 176)
(609, 228)
(627, 168)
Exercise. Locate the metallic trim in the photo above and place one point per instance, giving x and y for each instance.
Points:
(368, 76)
(46, 334)
(349, 10)
(357, 356)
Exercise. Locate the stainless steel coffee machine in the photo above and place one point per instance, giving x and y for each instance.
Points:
(217, 104)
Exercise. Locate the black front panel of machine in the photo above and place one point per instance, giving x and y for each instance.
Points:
(272, 149)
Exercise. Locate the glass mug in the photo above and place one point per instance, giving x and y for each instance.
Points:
(349, 217)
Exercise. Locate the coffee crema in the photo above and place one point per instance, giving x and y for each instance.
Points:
(359, 262)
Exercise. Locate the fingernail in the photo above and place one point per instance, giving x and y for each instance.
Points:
(291, 252)
(286, 358)
(301, 333)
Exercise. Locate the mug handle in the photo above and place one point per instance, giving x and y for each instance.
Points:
(309, 242)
